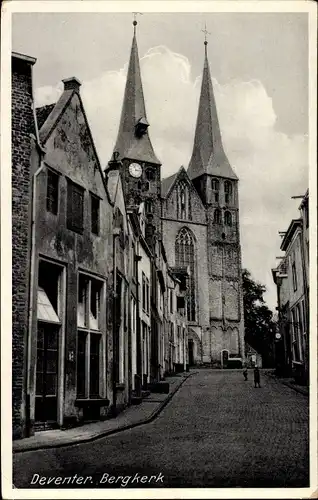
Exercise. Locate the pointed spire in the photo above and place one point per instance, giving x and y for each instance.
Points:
(208, 156)
(133, 140)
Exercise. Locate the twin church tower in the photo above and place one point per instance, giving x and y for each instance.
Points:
(195, 212)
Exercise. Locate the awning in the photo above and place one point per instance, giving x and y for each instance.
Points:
(45, 310)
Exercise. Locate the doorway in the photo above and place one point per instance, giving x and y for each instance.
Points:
(191, 352)
(46, 375)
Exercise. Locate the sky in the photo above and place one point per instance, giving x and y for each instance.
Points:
(259, 67)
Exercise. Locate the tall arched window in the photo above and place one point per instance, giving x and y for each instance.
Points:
(185, 257)
(183, 201)
(215, 189)
(228, 191)
(228, 219)
(217, 216)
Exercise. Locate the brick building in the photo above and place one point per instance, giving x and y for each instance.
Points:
(23, 140)
(194, 213)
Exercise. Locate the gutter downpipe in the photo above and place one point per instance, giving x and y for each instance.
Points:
(32, 260)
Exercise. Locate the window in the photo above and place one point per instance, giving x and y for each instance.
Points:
(215, 189)
(52, 192)
(94, 214)
(228, 218)
(228, 191)
(294, 276)
(217, 216)
(49, 315)
(89, 336)
(183, 201)
(185, 257)
(171, 300)
(150, 174)
(75, 207)
(145, 293)
(148, 206)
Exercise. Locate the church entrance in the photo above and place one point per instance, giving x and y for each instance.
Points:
(191, 352)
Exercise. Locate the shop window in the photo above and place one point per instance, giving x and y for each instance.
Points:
(89, 336)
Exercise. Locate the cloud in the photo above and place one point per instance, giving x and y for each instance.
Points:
(271, 165)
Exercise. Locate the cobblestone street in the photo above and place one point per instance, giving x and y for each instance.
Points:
(217, 431)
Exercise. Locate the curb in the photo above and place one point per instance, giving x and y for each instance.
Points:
(287, 384)
(109, 432)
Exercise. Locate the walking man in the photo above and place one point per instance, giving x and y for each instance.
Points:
(257, 381)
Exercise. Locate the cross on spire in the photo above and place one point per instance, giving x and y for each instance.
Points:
(135, 14)
(206, 32)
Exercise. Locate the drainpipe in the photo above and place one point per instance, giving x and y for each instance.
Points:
(31, 283)
(41, 151)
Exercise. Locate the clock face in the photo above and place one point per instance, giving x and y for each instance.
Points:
(135, 170)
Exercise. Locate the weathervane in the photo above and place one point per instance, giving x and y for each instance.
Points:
(135, 14)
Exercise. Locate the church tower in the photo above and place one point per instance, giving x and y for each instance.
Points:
(217, 185)
(140, 166)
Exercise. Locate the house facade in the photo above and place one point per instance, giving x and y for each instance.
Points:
(291, 279)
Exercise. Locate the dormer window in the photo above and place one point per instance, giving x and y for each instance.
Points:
(141, 127)
(228, 192)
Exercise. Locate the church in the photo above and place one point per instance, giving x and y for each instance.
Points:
(194, 213)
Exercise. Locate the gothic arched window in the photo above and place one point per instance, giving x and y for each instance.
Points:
(228, 219)
(217, 216)
(183, 201)
(228, 191)
(185, 257)
(215, 189)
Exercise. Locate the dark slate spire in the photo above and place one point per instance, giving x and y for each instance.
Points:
(208, 156)
(133, 140)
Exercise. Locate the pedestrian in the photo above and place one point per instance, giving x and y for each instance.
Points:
(257, 381)
(245, 373)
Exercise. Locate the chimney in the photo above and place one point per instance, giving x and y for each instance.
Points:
(72, 83)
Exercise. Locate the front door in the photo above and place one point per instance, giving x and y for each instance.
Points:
(46, 375)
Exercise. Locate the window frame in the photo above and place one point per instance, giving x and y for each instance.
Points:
(51, 172)
(294, 276)
(95, 199)
(72, 214)
(228, 192)
(89, 334)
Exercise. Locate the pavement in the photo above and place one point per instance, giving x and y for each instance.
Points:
(289, 382)
(216, 431)
(131, 417)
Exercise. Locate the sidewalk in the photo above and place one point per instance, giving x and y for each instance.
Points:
(289, 382)
(129, 418)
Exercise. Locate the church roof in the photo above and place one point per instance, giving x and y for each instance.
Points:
(128, 144)
(208, 156)
(167, 183)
